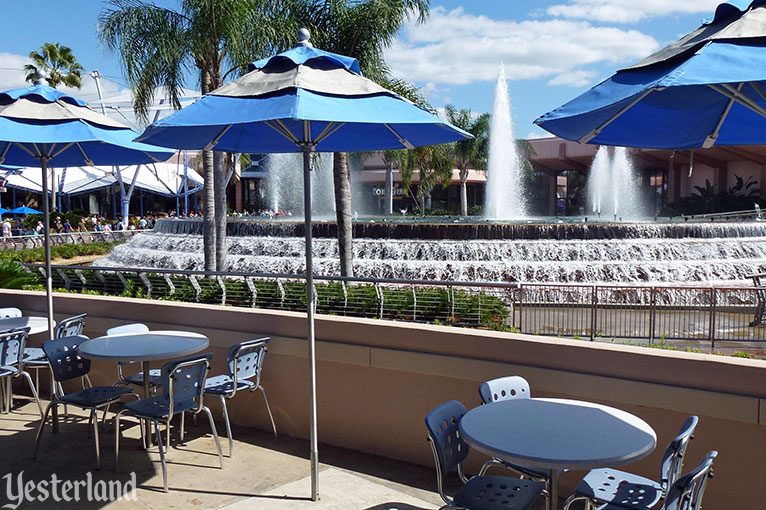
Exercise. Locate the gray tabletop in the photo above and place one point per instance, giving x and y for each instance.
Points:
(557, 433)
(35, 324)
(153, 345)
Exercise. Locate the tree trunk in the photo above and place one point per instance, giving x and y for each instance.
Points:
(463, 192)
(219, 172)
(208, 220)
(389, 199)
(342, 185)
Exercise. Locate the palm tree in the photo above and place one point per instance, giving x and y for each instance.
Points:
(360, 29)
(57, 63)
(471, 152)
(434, 164)
(158, 46)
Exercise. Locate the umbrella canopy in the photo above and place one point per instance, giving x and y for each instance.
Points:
(3, 210)
(41, 126)
(708, 88)
(303, 100)
(24, 210)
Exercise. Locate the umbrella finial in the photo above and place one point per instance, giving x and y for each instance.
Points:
(39, 77)
(303, 37)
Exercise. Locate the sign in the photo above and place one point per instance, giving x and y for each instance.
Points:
(377, 191)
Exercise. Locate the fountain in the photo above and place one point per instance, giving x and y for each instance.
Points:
(505, 199)
(284, 184)
(612, 186)
(639, 253)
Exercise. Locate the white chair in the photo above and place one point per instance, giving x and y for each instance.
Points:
(137, 379)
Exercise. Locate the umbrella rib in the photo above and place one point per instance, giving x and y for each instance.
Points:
(88, 161)
(280, 128)
(758, 89)
(329, 130)
(739, 98)
(215, 140)
(401, 139)
(5, 152)
(739, 94)
(595, 132)
(711, 138)
(25, 149)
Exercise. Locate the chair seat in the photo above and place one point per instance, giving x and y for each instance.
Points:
(5, 371)
(155, 378)
(35, 357)
(157, 407)
(95, 396)
(498, 492)
(224, 384)
(620, 488)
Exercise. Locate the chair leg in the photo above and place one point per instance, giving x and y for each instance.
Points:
(117, 436)
(8, 394)
(41, 427)
(268, 408)
(162, 455)
(228, 425)
(94, 420)
(183, 426)
(34, 391)
(215, 434)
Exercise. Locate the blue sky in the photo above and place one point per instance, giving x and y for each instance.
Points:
(552, 50)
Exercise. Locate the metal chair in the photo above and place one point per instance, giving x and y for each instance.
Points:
(12, 365)
(137, 379)
(509, 388)
(9, 312)
(611, 485)
(182, 384)
(245, 363)
(66, 363)
(479, 492)
(684, 494)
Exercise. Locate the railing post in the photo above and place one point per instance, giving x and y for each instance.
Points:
(652, 313)
(195, 286)
(67, 281)
(414, 304)
(169, 282)
(147, 283)
(593, 316)
(345, 297)
(253, 289)
(713, 300)
(222, 283)
(520, 293)
(379, 295)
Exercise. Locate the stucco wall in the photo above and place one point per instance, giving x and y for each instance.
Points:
(377, 380)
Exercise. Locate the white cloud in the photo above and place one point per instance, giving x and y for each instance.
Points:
(533, 135)
(454, 47)
(629, 11)
(576, 78)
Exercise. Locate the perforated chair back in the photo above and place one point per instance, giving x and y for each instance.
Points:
(504, 388)
(442, 423)
(184, 379)
(7, 313)
(673, 458)
(71, 326)
(246, 359)
(128, 328)
(12, 346)
(686, 493)
(64, 357)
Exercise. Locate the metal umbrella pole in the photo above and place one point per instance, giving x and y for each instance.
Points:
(47, 241)
(308, 148)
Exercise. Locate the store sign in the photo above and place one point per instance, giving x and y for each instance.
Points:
(381, 192)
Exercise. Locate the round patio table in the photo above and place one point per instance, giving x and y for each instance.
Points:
(557, 434)
(35, 324)
(144, 347)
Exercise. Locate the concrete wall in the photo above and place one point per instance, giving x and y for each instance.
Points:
(377, 380)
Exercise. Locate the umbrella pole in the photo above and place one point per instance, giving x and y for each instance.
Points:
(307, 149)
(47, 244)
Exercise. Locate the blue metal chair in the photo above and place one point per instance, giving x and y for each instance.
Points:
(684, 494)
(137, 379)
(245, 363)
(509, 388)
(611, 485)
(479, 492)
(182, 384)
(66, 364)
(12, 365)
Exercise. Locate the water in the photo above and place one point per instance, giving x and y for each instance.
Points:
(612, 187)
(669, 253)
(284, 184)
(505, 199)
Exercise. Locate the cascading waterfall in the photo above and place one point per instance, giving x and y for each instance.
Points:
(612, 186)
(505, 199)
(284, 184)
(612, 253)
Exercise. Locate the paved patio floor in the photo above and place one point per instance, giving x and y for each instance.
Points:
(264, 472)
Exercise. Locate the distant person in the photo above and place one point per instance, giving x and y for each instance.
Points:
(19, 226)
(67, 226)
(142, 223)
(58, 225)
(6, 228)
(39, 228)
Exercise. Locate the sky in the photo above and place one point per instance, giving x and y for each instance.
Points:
(552, 50)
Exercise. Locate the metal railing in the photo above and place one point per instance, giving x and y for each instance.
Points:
(705, 315)
(74, 237)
